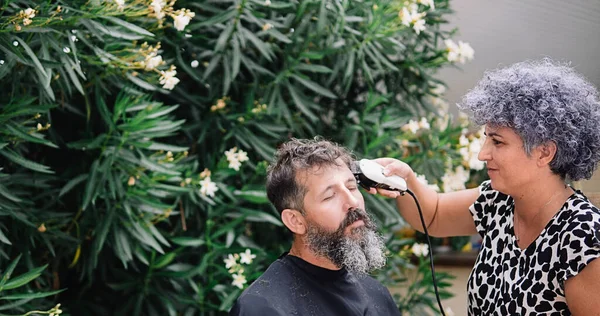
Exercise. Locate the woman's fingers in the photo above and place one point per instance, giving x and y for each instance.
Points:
(394, 167)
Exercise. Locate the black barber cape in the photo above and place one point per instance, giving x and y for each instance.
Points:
(292, 286)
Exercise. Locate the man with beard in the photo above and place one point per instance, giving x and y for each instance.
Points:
(335, 242)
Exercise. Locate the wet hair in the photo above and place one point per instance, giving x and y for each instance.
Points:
(283, 188)
(543, 101)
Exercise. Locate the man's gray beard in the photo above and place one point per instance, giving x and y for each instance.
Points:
(360, 252)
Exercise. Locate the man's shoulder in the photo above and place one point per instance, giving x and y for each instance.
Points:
(257, 299)
(373, 286)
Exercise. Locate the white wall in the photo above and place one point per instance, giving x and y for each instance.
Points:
(503, 32)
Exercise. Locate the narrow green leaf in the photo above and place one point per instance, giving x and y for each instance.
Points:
(313, 68)
(142, 234)
(8, 272)
(7, 194)
(72, 183)
(16, 158)
(23, 279)
(301, 104)
(129, 26)
(188, 241)
(90, 187)
(260, 45)
(140, 83)
(29, 295)
(18, 131)
(148, 164)
(102, 231)
(224, 37)
(4, 239)
(259, 216)
(314, 87)
(236, 58)
(164, 260)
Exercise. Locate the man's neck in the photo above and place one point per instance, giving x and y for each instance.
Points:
(300, 250)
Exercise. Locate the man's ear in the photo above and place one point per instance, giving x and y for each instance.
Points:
(546, 153)
(294, 221)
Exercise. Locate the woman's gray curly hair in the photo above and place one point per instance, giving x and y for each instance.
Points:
(543, 101)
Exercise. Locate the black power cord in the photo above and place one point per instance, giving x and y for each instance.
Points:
(435, 287)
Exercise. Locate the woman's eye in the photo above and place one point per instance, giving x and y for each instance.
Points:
(328, 198)
(352, 188)
(495, 142)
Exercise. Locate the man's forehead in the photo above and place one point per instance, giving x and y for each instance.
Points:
(321, 175)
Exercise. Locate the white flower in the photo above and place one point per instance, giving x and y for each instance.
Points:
(15, 43)
(405, 16)
(267, 2)
(239, 280)
(230, 154)
(120, 4)
(413, 17)
(424, 124)
(428, 3)
(194, 63)
(475, 163)
(466, 51)
(420, 250)
(152, 61)
(1, 62)
(242, 156)
(157, 6)
(423, 180)
(74, 38)
(419, 26)
(412, 126)
(181, 20)
(438, 89)
(455, 180)
(461, 52)
(448, 311)
(230, 262)
(235, 158)
(246, 257)
(235, 164)
(207, 187)
(66, 50)
(29, 12)
(168, 79)
(463, 141)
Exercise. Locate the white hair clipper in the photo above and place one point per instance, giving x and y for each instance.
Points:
(369, 174)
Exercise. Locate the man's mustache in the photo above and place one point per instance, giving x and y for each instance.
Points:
(354, 215)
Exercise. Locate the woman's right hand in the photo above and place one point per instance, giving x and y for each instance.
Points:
(392, 167)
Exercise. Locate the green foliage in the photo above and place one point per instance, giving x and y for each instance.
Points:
(134, 146)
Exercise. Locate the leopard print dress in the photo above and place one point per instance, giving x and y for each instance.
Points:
(509, 281)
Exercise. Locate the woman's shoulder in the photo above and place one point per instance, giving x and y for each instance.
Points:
(488, 195)
(579, 209)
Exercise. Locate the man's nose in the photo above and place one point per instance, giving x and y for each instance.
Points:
(351, 200)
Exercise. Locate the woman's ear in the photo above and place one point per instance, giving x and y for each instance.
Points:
(294, 221)
(547, 151)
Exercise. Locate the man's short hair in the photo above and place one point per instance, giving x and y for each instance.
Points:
(283, 189)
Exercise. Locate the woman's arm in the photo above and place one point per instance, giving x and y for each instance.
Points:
(446, 214)
(583, 291)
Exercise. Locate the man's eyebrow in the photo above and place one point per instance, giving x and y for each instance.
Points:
(350, 180)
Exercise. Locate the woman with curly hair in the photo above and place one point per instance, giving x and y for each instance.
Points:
(541, 237)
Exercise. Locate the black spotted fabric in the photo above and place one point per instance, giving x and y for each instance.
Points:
(509, 281)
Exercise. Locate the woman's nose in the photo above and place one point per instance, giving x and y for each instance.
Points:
(485, 152)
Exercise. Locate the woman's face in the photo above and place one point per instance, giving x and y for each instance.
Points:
(509, 167)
